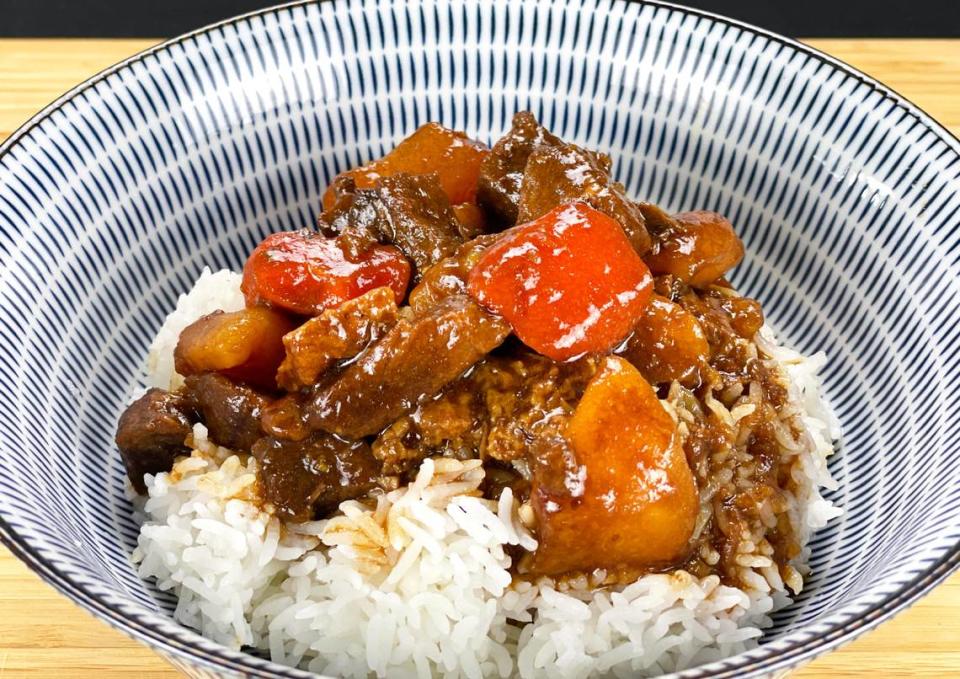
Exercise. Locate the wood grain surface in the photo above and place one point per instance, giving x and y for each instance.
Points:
(43, 634)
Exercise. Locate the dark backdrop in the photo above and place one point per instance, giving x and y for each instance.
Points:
(163, 18)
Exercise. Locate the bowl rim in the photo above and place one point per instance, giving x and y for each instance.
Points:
(757, 662)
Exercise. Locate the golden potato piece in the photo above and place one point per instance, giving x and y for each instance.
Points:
(627, 496)
(668, 344)
(696, 247)
(245, 345)
(431, 148)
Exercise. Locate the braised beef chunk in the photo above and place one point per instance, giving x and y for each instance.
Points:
(304, 479)
(151, 433)
(420, 221)
(354, 218)
(557, 175)
(507, 405)
(501, 173)
(529, 172)
(336, 334)
(471, 222)
(230, 411)
(449, 275)
(284, 419)
(413, 361)
(656, 218)
(500, 477)
(528, 399)
(451, 425)
(409, 211)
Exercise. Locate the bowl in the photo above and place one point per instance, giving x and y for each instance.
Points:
(114, 198)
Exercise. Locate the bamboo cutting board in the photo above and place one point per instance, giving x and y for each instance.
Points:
(43, 634)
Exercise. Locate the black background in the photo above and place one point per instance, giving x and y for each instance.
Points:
(165, 18)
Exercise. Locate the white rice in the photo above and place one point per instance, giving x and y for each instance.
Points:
(419, 585)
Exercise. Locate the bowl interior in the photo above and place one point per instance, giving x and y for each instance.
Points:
(112, 204)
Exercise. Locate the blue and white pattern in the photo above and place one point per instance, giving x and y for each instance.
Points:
(848, 198)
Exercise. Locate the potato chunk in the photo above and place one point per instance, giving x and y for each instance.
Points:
(668, 344)
(626, 496)
(245, 345)
(431, 148)
(696, 247)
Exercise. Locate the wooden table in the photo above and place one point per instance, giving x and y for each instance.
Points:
(43, 634)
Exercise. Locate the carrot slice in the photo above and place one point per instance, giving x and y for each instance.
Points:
(305, 273)
(568, 283)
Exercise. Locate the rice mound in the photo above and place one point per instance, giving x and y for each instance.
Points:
(419, 584)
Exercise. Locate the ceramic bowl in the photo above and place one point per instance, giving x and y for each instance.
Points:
(115, 197)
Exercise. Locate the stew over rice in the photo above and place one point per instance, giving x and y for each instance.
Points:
(510, 304)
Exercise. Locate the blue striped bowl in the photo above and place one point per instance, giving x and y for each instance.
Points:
(115, 197)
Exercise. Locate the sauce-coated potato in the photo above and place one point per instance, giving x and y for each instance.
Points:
(698, 248)
(431, 148)
(668, 344)
(245, 345)
(629, 497)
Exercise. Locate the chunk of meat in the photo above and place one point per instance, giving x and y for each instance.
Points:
(494, 412)
(501, 172)
(304, 273)
(230, 411)
(338, 333)
(412, 362)
(557, 175)
(151, 434)
(500, 477)
(470, 220)
(625, 496)
(284, 419)
(656, 218)
(419, 219)
(443, 279)
(354, 218)
(668, 344)
(449, 275)
(431, 148)
(698, 248)
(568, 283)
(245, 345)
(528, 399)
(448, 425)
(409, 211)
(310, 478)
